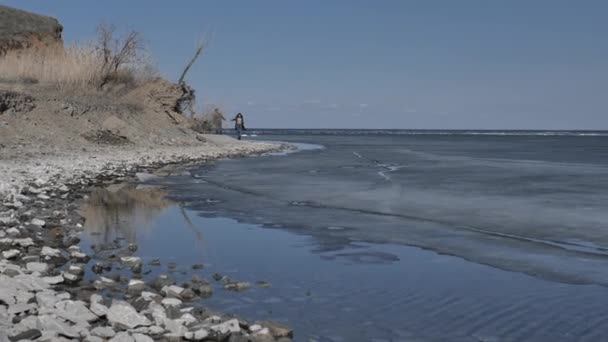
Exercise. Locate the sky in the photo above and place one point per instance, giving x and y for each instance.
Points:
(467, 64)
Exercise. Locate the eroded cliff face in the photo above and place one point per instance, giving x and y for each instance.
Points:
(21, 30)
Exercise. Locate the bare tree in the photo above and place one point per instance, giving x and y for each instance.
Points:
(116, 52)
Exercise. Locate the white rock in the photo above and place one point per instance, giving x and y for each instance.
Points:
(50, 323)
(92, 338)
(75, 269)
(175, 326)
(53, 280)
(70, 277)
(197, 335)
(229, 326)
(172, 291)
(43, 197)
(37, 267)
(8, 221)
(188, 318)
(105, 332)
(96, 307)
(255, 327)
(149, 295)
(136, 285)
(171, 302)
(122, 336)
(10, 254)
(263, 331)
(50, 252)
(75, 311)
(38, 222)
(123, 314)
(12, 231)
(142, 338)
(27, 242)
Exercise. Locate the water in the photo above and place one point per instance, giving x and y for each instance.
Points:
(395, 236)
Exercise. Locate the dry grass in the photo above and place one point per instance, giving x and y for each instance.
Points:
(75, 67)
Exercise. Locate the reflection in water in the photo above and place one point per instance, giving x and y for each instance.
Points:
(119, 210)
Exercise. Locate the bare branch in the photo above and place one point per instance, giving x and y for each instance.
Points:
(199, 50)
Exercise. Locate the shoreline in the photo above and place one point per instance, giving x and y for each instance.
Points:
(43, 291)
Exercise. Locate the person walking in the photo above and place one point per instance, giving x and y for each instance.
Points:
(239, 125)
(216, 119)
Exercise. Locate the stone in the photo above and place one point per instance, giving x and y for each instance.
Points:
(188, 294)
(38, 222)
(27, 242)
(37, 267)
(172, 291)
(13, 232)
(122, 336)
(237, 286)
(10, 254)
(76, 269)
(123, 314)
(171, 302)
(205, 291)
(136, 286)
(48, 299)
(71, 278)
(278, 330)
(92, 338)
(133, 262)
(175, 326)
(230, 326)
(188, 318)
(198, 335)
(8, 221)
(96, 306)
(104, 332)
(50, 323)
(53, 280)
(255, 328)
(50, 252)
(149, 296)
(13, 205)
(30, 334)
(75, 312)
(142, 338)
(198, 266)
(80, 256)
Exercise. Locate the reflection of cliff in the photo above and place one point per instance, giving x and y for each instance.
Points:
(118, 210)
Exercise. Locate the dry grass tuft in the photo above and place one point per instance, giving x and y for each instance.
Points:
(82, 66)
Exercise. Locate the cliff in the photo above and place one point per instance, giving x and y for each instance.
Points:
(20, 30)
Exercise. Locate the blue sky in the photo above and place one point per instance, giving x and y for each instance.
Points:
(536, 64)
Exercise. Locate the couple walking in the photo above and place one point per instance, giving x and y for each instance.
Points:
(218, 117)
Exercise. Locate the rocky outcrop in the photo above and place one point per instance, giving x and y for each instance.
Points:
(21, 30)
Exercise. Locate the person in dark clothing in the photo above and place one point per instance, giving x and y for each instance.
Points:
(239, 124)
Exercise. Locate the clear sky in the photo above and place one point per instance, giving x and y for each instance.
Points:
(535, 64)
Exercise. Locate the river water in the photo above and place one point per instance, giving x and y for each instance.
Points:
(392, 235)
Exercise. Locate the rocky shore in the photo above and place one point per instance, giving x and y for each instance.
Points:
(47, 291)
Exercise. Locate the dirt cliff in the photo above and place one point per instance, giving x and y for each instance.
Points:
(21, 30)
